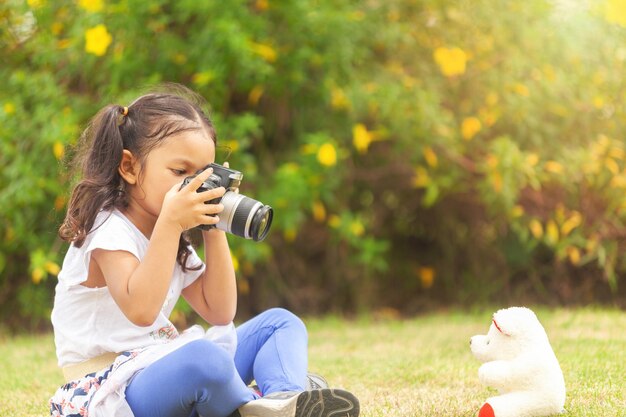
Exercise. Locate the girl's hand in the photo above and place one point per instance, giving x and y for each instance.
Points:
(186, 208)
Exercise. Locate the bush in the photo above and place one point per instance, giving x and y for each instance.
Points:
(415, 152)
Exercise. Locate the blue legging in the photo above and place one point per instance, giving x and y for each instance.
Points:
(201, 378)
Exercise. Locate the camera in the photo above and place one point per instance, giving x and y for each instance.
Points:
(242, 216)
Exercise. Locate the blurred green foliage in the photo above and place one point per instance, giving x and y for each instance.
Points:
(415, 152)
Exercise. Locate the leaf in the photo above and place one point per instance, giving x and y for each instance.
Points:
(431, 196)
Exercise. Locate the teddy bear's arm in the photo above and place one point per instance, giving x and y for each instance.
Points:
(503, 374)
(494, 373)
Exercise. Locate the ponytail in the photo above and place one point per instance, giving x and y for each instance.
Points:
(102, 187)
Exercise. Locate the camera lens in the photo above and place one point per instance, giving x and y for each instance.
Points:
(245, 217)
(261, 223)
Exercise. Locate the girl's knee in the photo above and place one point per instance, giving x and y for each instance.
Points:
(285, 318)
(206, 362)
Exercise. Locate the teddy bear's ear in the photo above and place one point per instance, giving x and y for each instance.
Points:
(506, 321)
(499, 327)
(516, 321)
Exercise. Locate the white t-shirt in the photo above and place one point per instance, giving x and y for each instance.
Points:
(87, 321)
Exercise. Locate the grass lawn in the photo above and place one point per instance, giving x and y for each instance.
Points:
(414, 367)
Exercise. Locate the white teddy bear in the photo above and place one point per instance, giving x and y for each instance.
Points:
(519, 362)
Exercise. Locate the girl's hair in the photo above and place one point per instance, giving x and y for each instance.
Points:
(140, 127)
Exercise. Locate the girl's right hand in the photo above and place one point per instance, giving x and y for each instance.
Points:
(186, 208)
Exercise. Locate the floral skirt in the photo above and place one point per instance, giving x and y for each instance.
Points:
(102, 393)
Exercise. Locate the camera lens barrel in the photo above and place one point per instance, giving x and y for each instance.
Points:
(244, 217)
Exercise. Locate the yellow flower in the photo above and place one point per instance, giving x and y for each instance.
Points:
(92, 6)
(571, 223)
(430, 156)
(327, 155)
(35, 4)
(592, 243)
(290, 234)
(59, 202)
(97, 40)
(56, 28)
(319, 211)
(52, 268)
(552, 232)
(357, 228)
(615, 12)
(255, 94)
(427, 276)
(451, 61)
(517, 211)
(361, 138)
(421, 178)
(334, 221)
(497, 181)
(532, 159)
(58, 149)
(548, 72)
(553, 167)
(9, 235)
(262, 5)
(265, 51)
(338, 99)
(598, 102)
(521, 89)
(573, 254)
(203, 78)
(536, 228)
(470, 127)
(492, 99)
(612, 166)
(37, 275)
(618, 181)
(179, 58)
(235, 261)
(9, 108)
(490, 117)
(308, 149)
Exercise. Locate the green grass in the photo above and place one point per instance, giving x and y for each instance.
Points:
(416, 367)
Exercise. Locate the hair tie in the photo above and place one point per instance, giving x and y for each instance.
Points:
(121, 117)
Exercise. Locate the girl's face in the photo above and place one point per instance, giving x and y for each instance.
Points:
(179, 156)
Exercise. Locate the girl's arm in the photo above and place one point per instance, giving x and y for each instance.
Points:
(139, 287)
(214, 294)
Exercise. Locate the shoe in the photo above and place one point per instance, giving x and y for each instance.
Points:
(313, 381)
(317, 403)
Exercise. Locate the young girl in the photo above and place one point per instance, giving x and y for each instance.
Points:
(128, 263)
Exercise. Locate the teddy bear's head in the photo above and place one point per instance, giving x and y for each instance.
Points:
(513, 331)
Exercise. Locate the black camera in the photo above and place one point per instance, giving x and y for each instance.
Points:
(242, 216)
